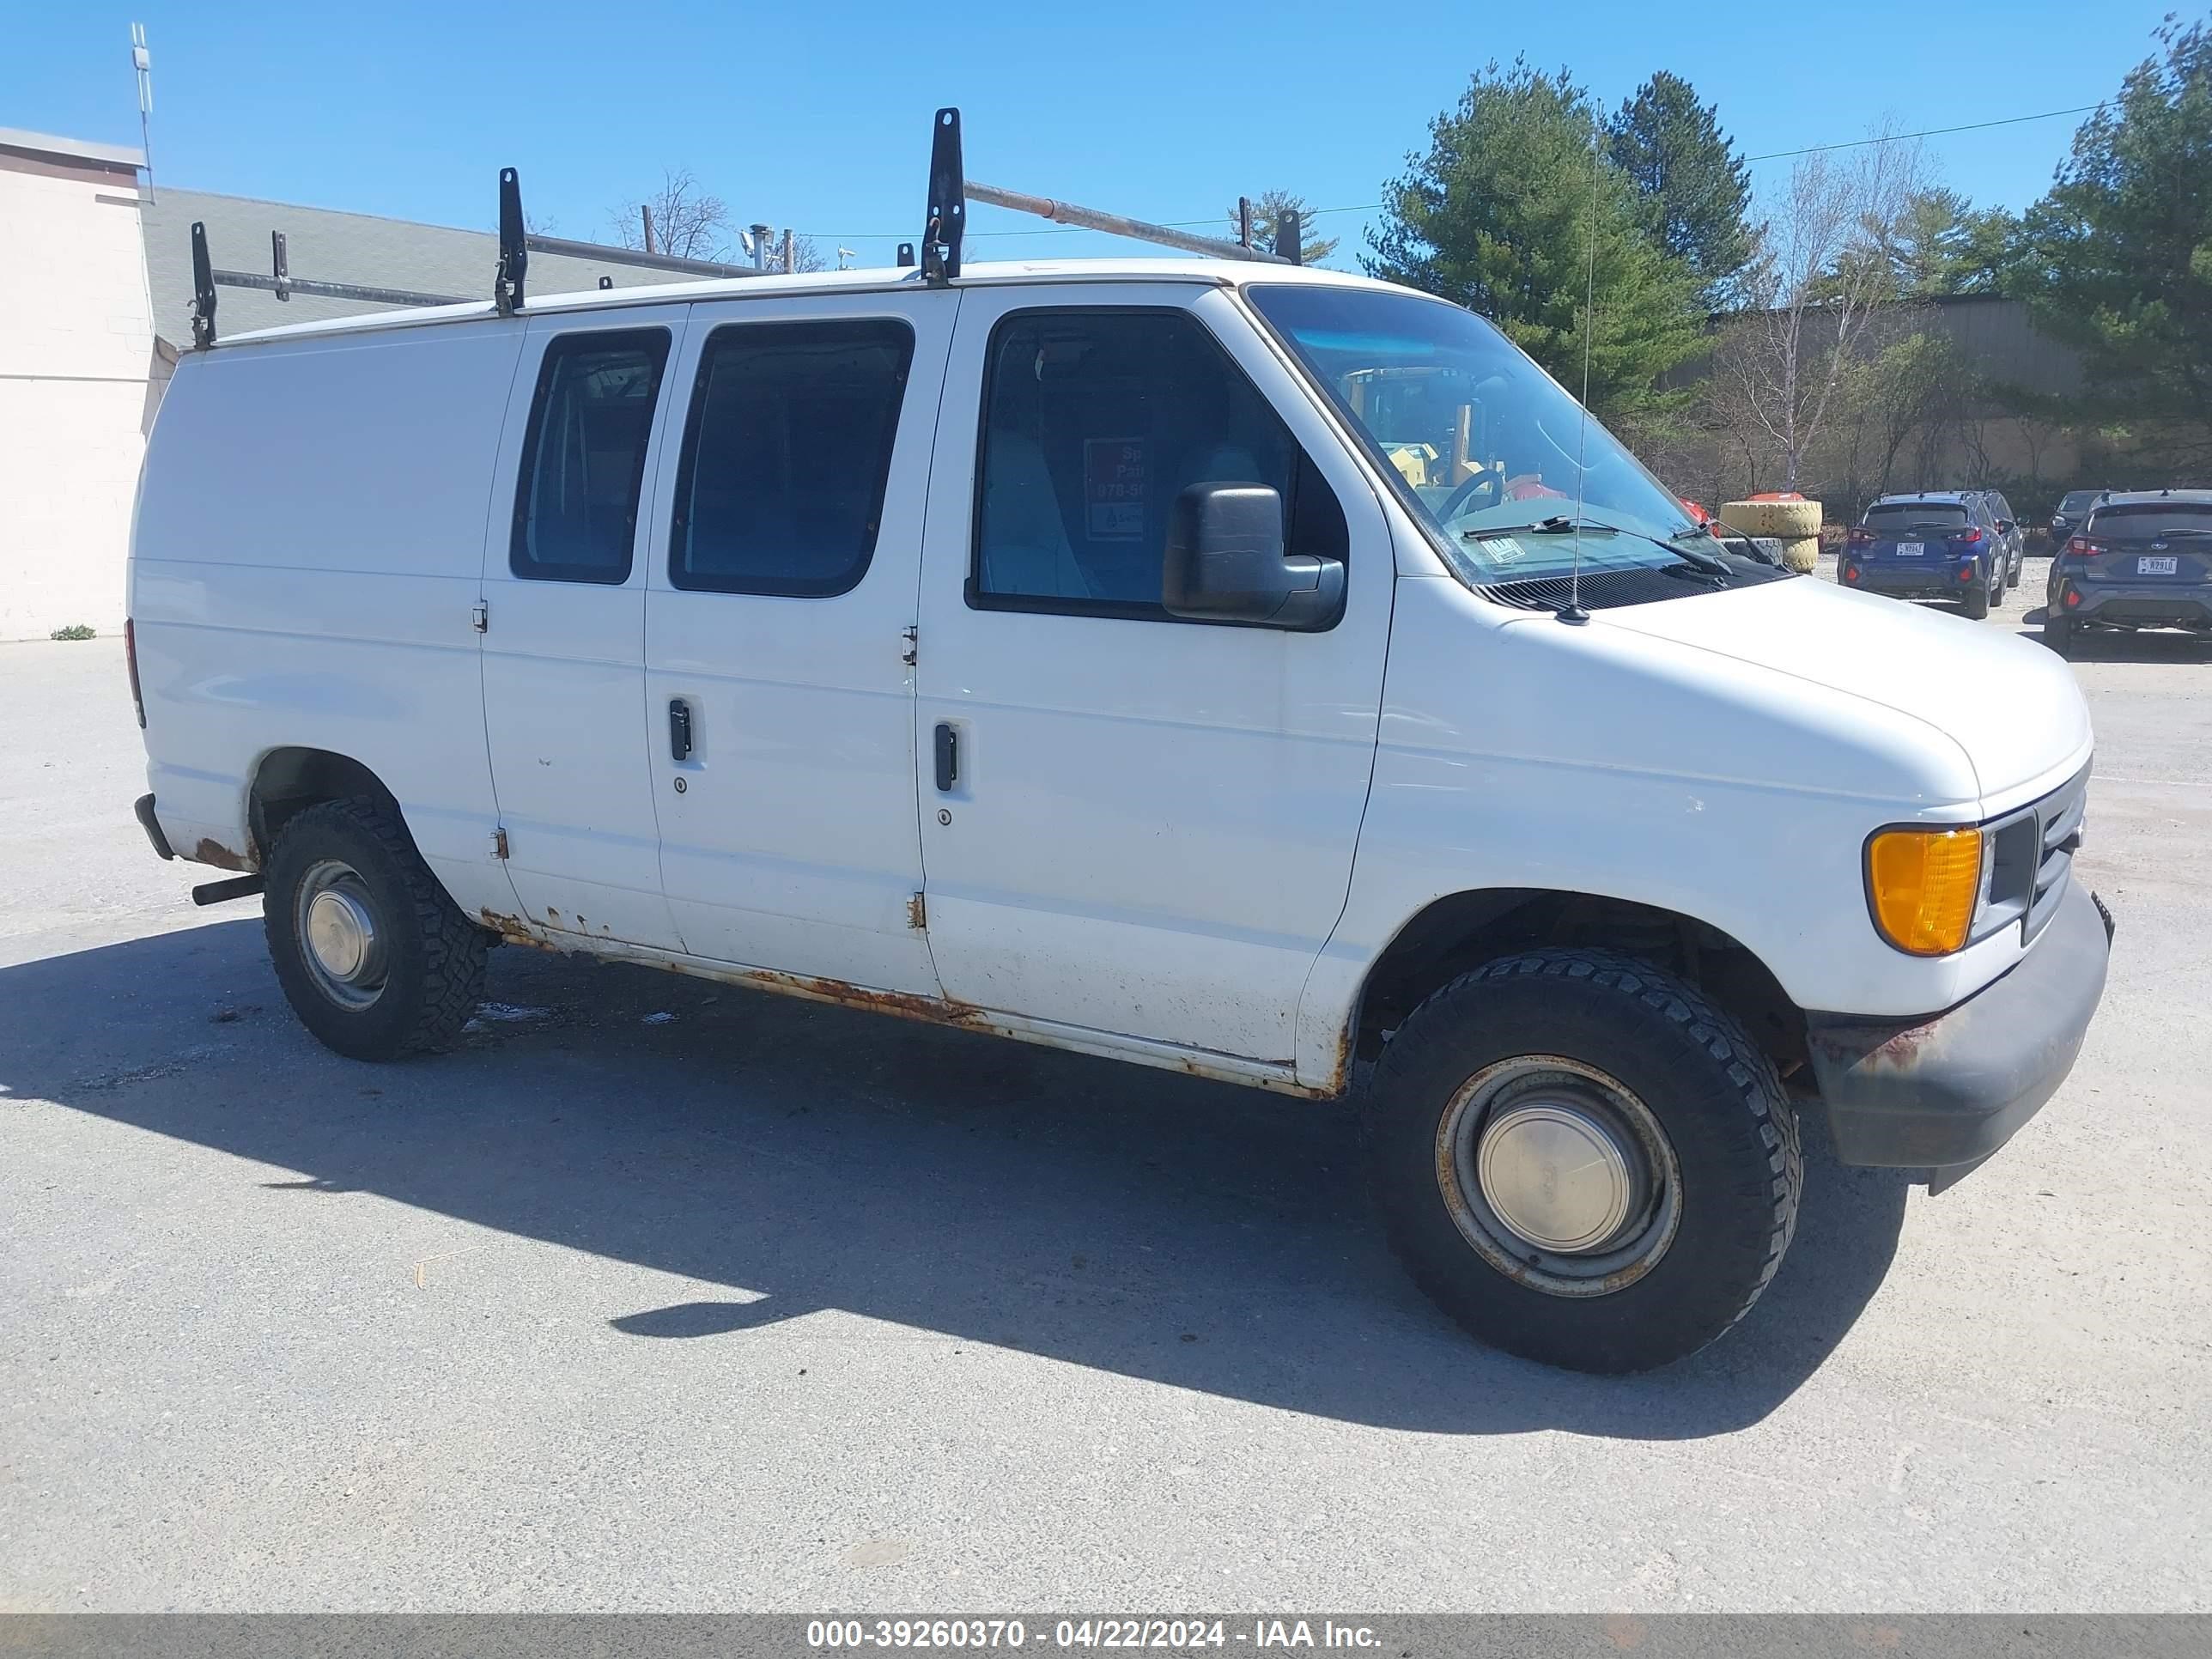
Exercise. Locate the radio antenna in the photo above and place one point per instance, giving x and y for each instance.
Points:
(1574, 612)
(142, 65)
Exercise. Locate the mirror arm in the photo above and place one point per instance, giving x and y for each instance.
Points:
(1317, 600)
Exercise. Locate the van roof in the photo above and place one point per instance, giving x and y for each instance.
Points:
(1223, 272)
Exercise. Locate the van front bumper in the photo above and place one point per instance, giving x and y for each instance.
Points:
(1949, 1088)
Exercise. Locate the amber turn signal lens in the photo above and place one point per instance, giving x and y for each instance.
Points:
(1924, 884)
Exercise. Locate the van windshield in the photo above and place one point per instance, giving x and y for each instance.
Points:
(1484, 444)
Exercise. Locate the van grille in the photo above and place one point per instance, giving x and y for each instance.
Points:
(2060, 815)
(2031, 856)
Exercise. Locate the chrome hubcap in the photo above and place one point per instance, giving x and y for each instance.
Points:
(1558, 1175)
(1555, 1174)
(337, 924)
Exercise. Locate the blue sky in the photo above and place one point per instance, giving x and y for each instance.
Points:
(816, 116)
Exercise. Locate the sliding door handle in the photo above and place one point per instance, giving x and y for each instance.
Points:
(680, 729)
(948, 757)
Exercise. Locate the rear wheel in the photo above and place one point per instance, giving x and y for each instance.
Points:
(1976, 605)
(373, 957)
(1582, 1160)
(2058, 634)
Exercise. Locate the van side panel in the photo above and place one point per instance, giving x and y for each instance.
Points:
(1518, 754)
(305, 564)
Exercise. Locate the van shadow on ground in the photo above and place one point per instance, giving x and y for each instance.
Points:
(813, 1157)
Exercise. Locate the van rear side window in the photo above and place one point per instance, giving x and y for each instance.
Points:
(583, 460)
(786, 455)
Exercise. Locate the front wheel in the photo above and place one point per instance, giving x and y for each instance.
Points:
(374, 958)
(1582, 1160)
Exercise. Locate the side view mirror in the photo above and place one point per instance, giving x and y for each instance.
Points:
(1225, 562)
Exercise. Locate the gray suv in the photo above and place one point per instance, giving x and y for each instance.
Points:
(2140, 559)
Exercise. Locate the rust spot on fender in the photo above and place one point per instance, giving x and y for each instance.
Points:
(512, 930)
(211, 851)
(1340, 1068)
(1879, 1046)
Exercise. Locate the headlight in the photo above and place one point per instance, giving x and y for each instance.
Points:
(1922, 886)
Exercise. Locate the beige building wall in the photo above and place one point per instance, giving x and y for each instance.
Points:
(76, 354)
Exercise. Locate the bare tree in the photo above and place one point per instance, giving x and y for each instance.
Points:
(1825, 263)
(689, 221)
(1912, 384)
(807, 254)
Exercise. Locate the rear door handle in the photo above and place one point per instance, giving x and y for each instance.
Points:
(948, 757)
(680, 729)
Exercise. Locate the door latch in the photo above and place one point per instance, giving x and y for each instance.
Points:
(680, 729)
(480, 618)
(948, 757)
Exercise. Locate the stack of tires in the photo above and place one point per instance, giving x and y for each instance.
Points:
(1792, 520)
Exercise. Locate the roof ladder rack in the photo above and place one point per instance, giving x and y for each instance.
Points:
(945, 224)
(508, 286)
(949, 190)
(203, 290)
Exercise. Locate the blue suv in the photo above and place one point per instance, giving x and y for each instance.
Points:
(1934, 544)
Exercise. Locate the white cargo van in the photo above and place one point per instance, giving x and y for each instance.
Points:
(1255, 671)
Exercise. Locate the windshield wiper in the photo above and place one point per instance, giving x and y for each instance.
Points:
(1560, 524)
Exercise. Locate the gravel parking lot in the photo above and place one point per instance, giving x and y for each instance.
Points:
(658, 1295)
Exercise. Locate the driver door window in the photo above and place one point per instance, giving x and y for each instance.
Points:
(1093, 422)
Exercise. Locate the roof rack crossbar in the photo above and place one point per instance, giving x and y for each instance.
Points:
(288, 284)
(1067, 213)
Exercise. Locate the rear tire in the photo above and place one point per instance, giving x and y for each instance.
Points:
(1976, 605)
(1582, 1160)
(2058, 634)
(374, 958)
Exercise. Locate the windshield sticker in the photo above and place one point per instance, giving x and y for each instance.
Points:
(1504, 549)
(1114, 488)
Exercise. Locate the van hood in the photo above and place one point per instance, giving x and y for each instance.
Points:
(2014, 706)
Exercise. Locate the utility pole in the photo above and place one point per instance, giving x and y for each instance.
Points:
(789, 269)
(644, 215)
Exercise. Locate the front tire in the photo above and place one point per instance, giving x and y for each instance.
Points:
(1582, 1160)
(374, 958)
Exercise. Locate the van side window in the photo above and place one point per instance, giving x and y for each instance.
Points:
(786, 456)
(1093, 422)
(583, 459)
